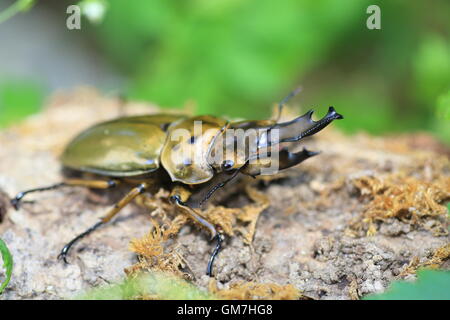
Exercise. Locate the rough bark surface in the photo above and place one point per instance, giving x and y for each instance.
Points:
(314, 234)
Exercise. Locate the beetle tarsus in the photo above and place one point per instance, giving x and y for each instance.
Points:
(15, 202)
(63, 254)
(65, 250)
(220, 238)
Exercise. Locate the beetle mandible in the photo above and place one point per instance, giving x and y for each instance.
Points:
(143, 151)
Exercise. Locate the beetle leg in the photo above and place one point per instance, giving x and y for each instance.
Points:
(15, 202)
(179, 197)
(220, 238)
(110, 214)
(95, 184)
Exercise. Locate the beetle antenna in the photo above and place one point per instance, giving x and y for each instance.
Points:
(220, 185)
(285, 100)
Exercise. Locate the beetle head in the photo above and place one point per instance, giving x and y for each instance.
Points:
(228, 152)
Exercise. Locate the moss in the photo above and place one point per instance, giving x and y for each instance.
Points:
(403, 196)
(439, 257)
(250, 290)
(155, 256)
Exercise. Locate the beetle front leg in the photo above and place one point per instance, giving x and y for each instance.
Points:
(179, 196)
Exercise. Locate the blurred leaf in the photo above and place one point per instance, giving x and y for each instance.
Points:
(366, 108)
(443, 106)
(15, 8)
(234, 58)
(430, 285)
(432, 68)
(442, 117)
(7, 264)
(131, 26)
(239, 57)
(19, 98)
(155, 285)
(93, 10)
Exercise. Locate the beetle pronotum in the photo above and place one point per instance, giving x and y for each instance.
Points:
(142, 150)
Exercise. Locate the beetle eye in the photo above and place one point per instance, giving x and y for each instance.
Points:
(227, 165)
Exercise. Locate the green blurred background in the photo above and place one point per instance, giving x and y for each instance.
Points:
(239, 57)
